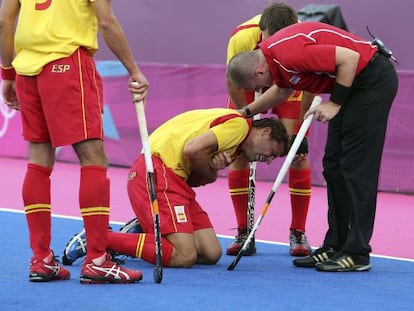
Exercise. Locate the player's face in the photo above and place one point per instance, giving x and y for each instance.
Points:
(265, 149)
(262, 79)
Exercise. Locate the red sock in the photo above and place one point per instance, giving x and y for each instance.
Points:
(36, 199)
(94, 206)
(300, 188)
(239, 192)
(139, 245)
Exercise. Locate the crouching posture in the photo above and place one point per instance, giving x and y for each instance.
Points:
(187, 151)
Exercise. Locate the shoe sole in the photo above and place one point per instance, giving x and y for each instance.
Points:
(74, 239)
(303, 265)
(91, 280)
(38, 278)
(358, 268)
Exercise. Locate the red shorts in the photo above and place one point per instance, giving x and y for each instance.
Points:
(178, 209)
(63, 104)
(289, 109)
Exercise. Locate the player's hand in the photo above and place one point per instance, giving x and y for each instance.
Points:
(138, 84)
(9, 94)
(220, 161)
(324, 112)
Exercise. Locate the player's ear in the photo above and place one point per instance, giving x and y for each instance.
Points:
(260, 71)
(266, 131)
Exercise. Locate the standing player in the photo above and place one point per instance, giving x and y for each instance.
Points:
(188, 151)
(246, 37)
(363, 82)
(59, 94)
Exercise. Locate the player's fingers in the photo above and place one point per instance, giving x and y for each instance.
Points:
(308, 113)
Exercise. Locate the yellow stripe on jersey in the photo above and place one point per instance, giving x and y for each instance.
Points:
(52, 31)
(245, 38)
(140, 245)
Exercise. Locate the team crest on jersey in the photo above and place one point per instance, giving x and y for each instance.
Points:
(132, 175)
(180, 213)
(294, 80)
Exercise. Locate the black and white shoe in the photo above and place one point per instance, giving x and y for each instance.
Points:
(345, 263)
(320, 255)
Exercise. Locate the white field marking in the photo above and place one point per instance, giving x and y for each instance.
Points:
(218, 235)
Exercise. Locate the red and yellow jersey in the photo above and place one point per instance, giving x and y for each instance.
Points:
(245, 37)
(53, 29)
(168, 141)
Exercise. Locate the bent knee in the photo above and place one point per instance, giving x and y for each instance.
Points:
(213, 257)
(183, 259)
(210, 257)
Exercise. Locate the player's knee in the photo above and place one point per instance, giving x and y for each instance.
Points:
(184, 259)
(91, 152)
(213, 256)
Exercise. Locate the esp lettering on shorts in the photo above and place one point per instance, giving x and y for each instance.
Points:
(58, 68)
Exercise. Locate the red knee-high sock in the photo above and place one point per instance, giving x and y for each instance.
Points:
(36, 199)
(94, 206)
(300, 188)
(239, 192)
(139, 245)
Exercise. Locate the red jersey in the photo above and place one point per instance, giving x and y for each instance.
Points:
(302, 56)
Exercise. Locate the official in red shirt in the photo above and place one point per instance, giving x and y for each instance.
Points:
(362, 81)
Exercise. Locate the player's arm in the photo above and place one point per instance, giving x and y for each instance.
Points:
(8, 13)
(114, 37)
(270, 98)
(201, 153)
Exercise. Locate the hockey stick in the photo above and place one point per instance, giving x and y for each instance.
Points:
(142, 123)
(283, 170)
(252, 184)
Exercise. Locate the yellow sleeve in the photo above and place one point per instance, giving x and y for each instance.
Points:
(245, 38)
(230, 135)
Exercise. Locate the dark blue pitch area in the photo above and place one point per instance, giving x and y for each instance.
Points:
(266, 281)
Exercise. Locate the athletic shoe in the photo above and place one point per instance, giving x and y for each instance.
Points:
(108, 272)
(239, 240)
(320, 255)
(75, 248)
(132, 226)
(45, 272)
(299, 245)
(345, 263)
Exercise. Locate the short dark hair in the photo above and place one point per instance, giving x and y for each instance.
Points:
(241, 69)
(277, 16)
(278, 131)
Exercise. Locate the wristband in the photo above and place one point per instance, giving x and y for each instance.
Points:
(339, 93)
(248, 112)
(8, 73)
